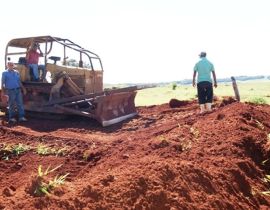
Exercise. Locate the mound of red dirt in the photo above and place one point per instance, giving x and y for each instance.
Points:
(165, 158)
(173, 103)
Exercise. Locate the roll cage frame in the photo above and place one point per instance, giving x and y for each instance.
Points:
(48, 41)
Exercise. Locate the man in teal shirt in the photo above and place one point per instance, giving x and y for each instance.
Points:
(204, 82)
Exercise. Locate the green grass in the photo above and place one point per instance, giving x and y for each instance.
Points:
(161, 95)
(257, 92)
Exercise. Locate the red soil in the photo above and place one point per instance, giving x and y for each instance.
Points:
(165, 158)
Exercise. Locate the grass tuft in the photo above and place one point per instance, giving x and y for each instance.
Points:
(42, 185)
(46, 150)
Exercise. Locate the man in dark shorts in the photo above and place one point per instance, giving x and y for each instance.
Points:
(204, 82)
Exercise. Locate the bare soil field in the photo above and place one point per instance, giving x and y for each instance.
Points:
(165, 158)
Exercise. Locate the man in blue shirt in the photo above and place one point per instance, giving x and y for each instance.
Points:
(11, 85)
(204, 82)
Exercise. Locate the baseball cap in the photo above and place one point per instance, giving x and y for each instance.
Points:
(202, 54)
(10, 62)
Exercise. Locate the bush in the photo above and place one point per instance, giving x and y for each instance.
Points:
(258, 100)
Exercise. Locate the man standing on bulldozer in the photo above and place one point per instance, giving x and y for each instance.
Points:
(204, 82)
(32, 58)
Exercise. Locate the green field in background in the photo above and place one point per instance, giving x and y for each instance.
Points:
(249, 91)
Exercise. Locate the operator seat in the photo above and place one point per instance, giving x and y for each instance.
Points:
(55, 59)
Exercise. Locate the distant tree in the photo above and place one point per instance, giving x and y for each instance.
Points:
(258, 100)
(75, 63)
(174, 85)
(86, 65)
(72, 62)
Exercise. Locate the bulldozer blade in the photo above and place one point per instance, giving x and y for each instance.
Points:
(114, 108)
(74, 111)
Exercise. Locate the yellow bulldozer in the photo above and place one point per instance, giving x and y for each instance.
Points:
(71, 87)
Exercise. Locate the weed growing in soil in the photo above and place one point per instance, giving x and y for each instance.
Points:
(163, 142)
(259, 124)
(20, 148)
(46, 150)
(42, 185)
(267, 179)
(86, 155)
(162, 139)
(186, 145)
(195, 132)
(265, 161)
(13, 150)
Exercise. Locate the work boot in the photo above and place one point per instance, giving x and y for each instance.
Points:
(209, 107)
(202, 107)
(22, 119)
(12, 121)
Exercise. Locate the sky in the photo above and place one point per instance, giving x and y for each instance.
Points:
(151, 41)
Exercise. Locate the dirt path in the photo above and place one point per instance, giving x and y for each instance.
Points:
(165, 158)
